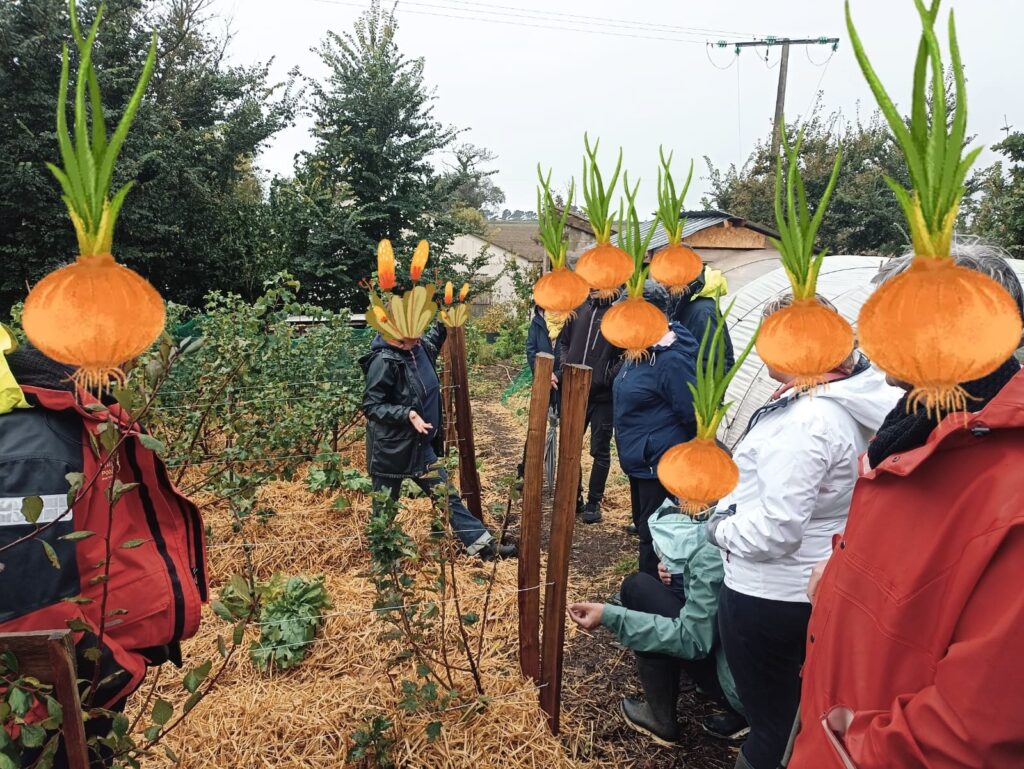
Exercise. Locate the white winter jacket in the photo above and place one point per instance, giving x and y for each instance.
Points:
(798, 465)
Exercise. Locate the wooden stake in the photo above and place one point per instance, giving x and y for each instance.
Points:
(469, 478)
(529, 525)
(49, 656)
(575, 387)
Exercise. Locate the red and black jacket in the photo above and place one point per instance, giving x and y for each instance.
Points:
(156, 588)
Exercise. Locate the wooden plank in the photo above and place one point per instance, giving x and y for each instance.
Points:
(49, 655)
(575, 388)
(529, 527)
(469, 478)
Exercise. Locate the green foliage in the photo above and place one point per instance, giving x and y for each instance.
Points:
(371, 174)
(197, 219)
(290, 616)
(996, 211)
(290, 610)
(797, 227)
(861, 218)
(21, 734)
(331, 476)
(372, 743)
(258, 398)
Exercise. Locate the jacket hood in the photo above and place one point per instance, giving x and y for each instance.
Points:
(713, 285)
(864, 395)
(676, 536)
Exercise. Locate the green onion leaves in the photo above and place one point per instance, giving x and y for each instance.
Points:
(797, 227)
(87, 156)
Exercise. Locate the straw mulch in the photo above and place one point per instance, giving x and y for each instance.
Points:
(305, 717)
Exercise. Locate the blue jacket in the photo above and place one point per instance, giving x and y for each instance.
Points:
(652, 405)
(537, 340)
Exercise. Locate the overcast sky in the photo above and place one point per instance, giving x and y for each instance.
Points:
(526, 81)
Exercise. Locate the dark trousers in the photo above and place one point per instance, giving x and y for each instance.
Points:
(646, 496)
(471, 532)
(599, 422)
(764, 645)
(644, 593)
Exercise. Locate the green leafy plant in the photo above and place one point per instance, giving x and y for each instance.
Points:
(551, 220)
(30, 717)
(633, 241)
(932, 144)
(290, 615)
(372, 743)
(597, 196)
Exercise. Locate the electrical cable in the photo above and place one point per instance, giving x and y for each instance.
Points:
(464, 15)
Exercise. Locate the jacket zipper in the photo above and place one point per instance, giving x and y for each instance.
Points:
(587, 348)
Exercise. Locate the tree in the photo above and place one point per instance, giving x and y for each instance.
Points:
(996, 210)
(863, 217)
(196, 219)
(372, 174)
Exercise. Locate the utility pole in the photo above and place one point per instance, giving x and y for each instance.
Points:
(780, 97)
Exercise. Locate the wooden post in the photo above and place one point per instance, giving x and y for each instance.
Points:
(529, 525)
(469, 478)
(575, 387)
(49, 656)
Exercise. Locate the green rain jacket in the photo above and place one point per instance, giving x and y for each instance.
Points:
(683, 548)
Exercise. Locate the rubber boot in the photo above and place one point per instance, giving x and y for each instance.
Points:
(657, 716)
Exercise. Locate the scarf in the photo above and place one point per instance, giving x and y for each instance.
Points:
(554, 321)
(902, 430)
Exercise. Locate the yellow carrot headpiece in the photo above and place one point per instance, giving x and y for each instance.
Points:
(457, 315)
(404, 316)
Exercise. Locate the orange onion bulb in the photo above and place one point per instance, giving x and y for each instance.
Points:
(676, 266)
(605, 267)
(698, 473)
(95, 315)
(936, 326)
(634, 325)
(560, 290)
(805, 339)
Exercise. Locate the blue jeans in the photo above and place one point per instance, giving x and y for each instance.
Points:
(471, 532)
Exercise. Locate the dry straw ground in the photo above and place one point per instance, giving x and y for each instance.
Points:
(304, 718)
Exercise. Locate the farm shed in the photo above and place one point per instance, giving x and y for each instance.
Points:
(740, 248)
(520, 243)
(844, 280)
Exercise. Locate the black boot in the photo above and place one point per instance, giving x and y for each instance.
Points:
(657, 716)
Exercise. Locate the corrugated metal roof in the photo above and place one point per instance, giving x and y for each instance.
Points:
(697, 221)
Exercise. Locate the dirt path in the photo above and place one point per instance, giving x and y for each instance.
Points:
(598, 673)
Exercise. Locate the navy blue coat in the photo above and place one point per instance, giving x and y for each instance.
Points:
(652, 405)
(537, 340)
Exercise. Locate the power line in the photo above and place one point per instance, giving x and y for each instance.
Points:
(608, 21)
(537, 22)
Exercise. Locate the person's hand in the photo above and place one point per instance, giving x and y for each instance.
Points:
(663, 574)
(815, 580)
(417, 422)
(554, 382)
(586, 615)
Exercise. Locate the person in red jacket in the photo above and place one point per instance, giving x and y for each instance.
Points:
(913, 647)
